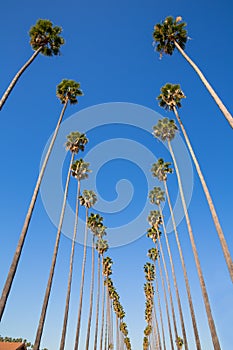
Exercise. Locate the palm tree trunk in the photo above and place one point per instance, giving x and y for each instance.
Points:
(97, 306)
(17, 76)
(160, 309)
(106, 335)
(215, 339)
(221, 106)
(52, 268)
(81, 285)
(103, 304)
(221, 236)
(194, 323)
(175, 282)
(158, 340)
(169, 289)
(117, 333)
(15, 261)
(62, 343)
(91, 293)
(166, 304)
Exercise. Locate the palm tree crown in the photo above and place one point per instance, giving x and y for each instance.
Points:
(161, 169)
(76, 142)
(167, 33)
(170, 96)
(153, 254)
(47, 37)
(88, 198)
(156, 195)
(165, 129)
(79, 169)
(69, 89)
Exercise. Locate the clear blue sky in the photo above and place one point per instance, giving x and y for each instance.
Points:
(109, 51)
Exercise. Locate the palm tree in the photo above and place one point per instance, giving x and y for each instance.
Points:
(95, 223)
(153, 218)
(149, 270)
(171, 34)
(153, 254)
(88, 200)
(104, 273)
(166, 130)
(71, 96)
(74, 150)
(156, 197)
(80, 172)
(160, 170)
(155, 240)
(170, 99)
(107, 271)
(45, 39)
(101, 247)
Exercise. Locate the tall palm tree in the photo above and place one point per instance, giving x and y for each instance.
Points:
(101, 247)
(170, 35)
(149, 271)
(155, 240)
(166, 130)
(153, 254)
(74, 149)
(88, 200)
(80, 172)
(95, 223)
(103, 297)
(45, 39)
(160, 170)
(69, 94)
(156, 197)
(153, 218)
(107, 271)
(170, 99)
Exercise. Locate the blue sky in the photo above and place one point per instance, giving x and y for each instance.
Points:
(109, 51)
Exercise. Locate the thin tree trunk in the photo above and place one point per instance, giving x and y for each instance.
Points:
(106, 335)
(175, 282)
(103, 304)
(214, 336)
(91, 294)
(62, 343)
(221, 106)
(108, 320)
(160, 309)
(169, 289)
(52, 268)
(15, 261)
(221, 236)
(17, 76)
(117, 333)
(76, 345)
(158, 341)
(166, 304)
(97, 306)
(194, 323)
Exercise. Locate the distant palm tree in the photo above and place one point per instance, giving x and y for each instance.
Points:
(66, 96)
(153, 254)
(107, 271)
(160, 170)
(170, 99)
(101, 247)
(165, 130)
(45, 39)
(149, 270)
(95, 223)
(74, 149)
(171, 34)
(88, 200)
(156, 197)
(153, 218)
(80, 172)
(155, 237)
